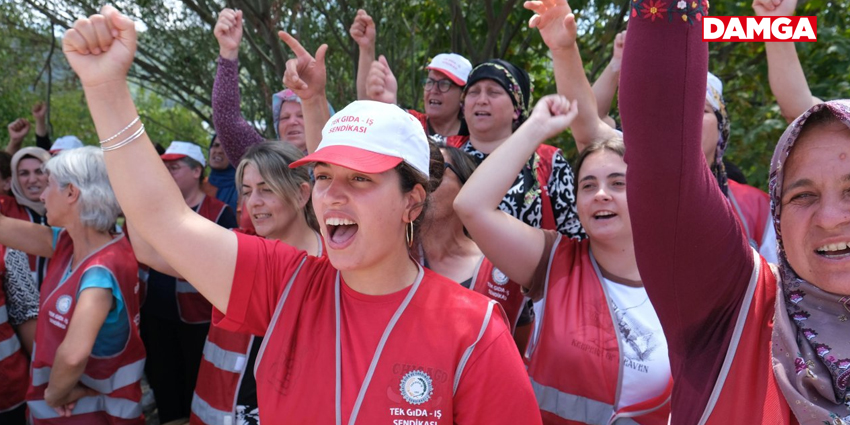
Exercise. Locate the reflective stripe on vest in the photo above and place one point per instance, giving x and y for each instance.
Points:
(184, 287)
(125, 375)
(231, 361)
(575, 408)
(117, 407)
(11, 345)
(210, 415)
(8, 347)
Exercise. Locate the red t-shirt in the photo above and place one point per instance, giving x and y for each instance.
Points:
(444, 331)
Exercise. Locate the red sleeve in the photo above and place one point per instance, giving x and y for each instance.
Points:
(494, 387)
(692, 254)
(263, 267)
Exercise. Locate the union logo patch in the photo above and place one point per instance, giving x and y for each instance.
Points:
(63, 304)
(416, 387)
(499, 277)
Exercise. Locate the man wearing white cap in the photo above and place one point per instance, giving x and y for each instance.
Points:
(447, 74)
(175, 317)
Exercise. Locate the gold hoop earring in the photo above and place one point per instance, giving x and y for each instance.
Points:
(409, 235)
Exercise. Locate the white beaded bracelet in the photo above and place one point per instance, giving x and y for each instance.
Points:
(126, 141)
(120, 132)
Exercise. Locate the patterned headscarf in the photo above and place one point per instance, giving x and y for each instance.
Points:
(811, 358)
(714, 96)
(286, 95)
(17, 190)
(513, 79)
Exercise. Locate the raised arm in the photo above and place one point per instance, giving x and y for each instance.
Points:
(693, 257)
(381, 85)
(39, 115)
(605, 87)
(307, 77)
(557, 26)
(513, 246)
(234, 133)
(784, 71)
(364, 34)
(147, 255)
(18, 130)
(26, 236)
(100, 49)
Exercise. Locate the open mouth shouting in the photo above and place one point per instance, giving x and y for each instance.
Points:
(340, 232)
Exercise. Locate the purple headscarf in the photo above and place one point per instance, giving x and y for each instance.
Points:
(811, 357)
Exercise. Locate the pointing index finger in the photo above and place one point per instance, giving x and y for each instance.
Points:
(293, 44)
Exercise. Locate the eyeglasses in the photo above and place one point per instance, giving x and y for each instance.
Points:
(442, 85)
(459, 177)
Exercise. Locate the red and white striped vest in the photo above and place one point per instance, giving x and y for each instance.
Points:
(576, 361)
(13, 360)
(491, 282)
(117, 378)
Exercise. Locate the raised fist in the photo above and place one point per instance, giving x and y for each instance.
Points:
(552, 114)
(363, 29)
(555, 21)
(39, 110)
(18, 129)
(619, 44)
(100, 48)
(228, 32)
(381, 84)
(774, 7)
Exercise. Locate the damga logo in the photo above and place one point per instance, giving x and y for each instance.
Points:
(759, 28)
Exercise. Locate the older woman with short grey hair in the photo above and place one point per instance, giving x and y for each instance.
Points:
(88, 358)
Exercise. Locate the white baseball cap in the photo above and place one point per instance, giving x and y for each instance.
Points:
(372, 137)
(65, 143)
(455, 66)
(178, 150)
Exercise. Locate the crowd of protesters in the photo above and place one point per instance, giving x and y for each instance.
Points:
(385, 265)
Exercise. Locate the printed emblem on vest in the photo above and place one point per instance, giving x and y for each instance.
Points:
(63, 304)
(499, 277)
(416, 387)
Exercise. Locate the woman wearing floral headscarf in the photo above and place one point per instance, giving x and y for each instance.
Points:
(748, 343)
(496, 101)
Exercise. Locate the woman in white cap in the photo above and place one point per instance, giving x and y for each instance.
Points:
(447, 73)
(88, 357)
(364, 334)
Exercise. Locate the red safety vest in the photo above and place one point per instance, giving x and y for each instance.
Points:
(13, 360)
(10, 207)
(546, 155)
(746, 391)
(491, 282)
(752, 206)
(191, 305)
(419, 367)
(576, 361)
(116, 378)
(222, 368)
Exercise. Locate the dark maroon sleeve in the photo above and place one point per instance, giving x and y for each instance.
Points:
(692, 255)
(234, 133)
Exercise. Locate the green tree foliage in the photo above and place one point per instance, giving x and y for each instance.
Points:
(176, 63)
